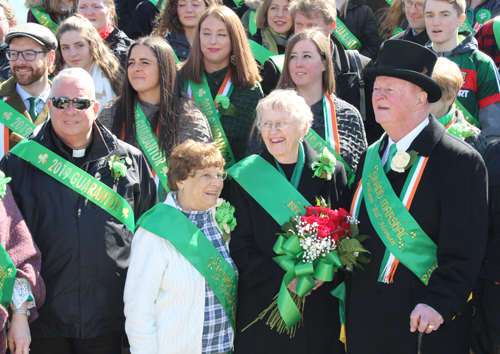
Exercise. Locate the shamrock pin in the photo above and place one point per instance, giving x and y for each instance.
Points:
(224, 216)
(118, 167)
(3, 184)
(222, 100)
(201, 92)
(325, 165)
(43, 158)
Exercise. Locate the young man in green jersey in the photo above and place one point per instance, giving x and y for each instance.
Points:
(479, 96)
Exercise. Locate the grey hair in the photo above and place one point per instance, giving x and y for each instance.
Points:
(310, 9)
(286, 101)
(76, 73)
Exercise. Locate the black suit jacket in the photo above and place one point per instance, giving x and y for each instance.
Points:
(260, 277)
(450, 205)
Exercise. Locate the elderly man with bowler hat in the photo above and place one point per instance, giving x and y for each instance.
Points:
(80, 191)
(421, 196)
(25, 95)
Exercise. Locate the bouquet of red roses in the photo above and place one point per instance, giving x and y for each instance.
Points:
(312, 247)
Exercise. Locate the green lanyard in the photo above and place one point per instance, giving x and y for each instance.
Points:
(297, 171)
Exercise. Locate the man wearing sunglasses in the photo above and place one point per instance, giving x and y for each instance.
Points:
(31, 52)
(83, 228)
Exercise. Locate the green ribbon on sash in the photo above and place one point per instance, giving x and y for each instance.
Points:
(149, 144)
(15, 121)
(198, 250)
(76, 179)
(7, 276)
(203, 97)
(396, 227)
(345, 36)
(269, 188)
(318, 143)
(496, 30)
(44, 19)
(468, 117)
(252, 25)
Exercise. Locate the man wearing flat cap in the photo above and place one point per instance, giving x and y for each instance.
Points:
(24, 96)
(421, 197)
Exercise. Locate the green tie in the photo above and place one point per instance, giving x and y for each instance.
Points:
(34, 101)
(392, 152)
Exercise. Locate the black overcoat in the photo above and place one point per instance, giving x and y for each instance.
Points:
(260, 277)
(450, 205)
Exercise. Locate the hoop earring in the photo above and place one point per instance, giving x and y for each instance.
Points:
(233, 59)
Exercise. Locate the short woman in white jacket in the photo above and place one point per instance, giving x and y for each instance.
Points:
(181, 283)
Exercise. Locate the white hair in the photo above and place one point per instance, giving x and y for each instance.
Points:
(76, 73)
(286, 101)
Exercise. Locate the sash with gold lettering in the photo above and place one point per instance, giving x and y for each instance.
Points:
(78, 180)
(404, 239)
(345, 36)
(331, 134)
(149, 144)
(44, 19)
(15, 121)
(200, 93)
(192, 243)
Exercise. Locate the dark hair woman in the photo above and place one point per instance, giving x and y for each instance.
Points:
(152, 100)
(178, 24)
(221, 68)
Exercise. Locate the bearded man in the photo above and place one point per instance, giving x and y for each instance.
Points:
(24, 96)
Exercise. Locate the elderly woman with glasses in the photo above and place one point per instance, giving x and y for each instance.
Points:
(181, 285)
(283, 118)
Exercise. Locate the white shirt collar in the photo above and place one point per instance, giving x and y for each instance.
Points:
(24, 95)
(405, 143)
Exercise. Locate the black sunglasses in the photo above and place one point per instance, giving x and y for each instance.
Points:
(80, 104)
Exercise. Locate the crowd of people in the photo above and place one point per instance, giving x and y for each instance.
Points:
(159, 161)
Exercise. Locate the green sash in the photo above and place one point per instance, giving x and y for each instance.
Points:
(7, 276)
(155, 3)
(239, 3)
(198, 250)
(496, 30)
(260, 53)
(466, 27)
(269, 188)
(279, 61)
(345, 36)
(398, 230)
(149, 144)
(468, 117)
(203, 97)
(252, 25)
(44, 19)
(15, 121)
(76, 179)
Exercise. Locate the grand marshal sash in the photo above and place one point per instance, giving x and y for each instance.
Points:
(44, 19)
(269, 188)
(200, 93)
(396, 227)
(345, 36)
(149, 144)
(468, 117)
(15, 121)
(76, 179)
(198, 250)
(332, 135)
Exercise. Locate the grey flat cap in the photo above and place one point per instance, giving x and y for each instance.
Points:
(37, 32)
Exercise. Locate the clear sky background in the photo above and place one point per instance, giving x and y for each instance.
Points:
(20, 10)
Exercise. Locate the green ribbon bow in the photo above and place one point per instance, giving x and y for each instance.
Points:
(222, 100)
(224, 216)
(325, 166)
(117, 166)
(290, 259)
(3, 184)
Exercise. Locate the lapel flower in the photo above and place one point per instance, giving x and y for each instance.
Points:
(224, 216)
(3, 184)
(460, 130)
(224, 106)
(403, 160)
(118, 167)
(324, 166)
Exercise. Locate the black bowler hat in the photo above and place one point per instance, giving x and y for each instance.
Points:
(407, 61)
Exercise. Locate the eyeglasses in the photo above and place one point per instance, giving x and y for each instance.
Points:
(28, 55)
(418, 5)
(208, 176)
(80, 104)
(264, 127)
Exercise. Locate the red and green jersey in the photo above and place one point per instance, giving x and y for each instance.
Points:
(481, 85)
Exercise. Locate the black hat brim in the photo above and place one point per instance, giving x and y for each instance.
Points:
(424, 82)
